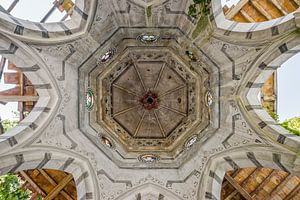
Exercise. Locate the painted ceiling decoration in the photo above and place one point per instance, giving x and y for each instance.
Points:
(137, 99)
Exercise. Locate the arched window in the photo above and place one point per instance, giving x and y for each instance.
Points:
(279, 95)
(35, 11)
(17, 95)
(38, 184)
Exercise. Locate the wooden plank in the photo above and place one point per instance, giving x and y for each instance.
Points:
(297, 2)
(292, 194)
(238, 187)
(236, 9)
(261, 9)
(247, 17)
(32, 183)
(46, 175)
(278, 5)
(232, 194)
(279, 187)
(263, 183)
(59, 187)
(16, 98)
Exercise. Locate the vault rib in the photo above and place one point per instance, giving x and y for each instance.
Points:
(159, 76)
(139, 124)
(173, 110)
(159, 124)
(125, 90)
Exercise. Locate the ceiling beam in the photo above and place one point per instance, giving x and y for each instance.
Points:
(15, 98)
(236, 9)
(59, 187)
(278, 5)
(263, 183)
(12, 6)
(32, 183)
(297, 2)
(279, 187)
(261, 9)
(52, 182)
(246, 16)
(293, 193)
(239, 188)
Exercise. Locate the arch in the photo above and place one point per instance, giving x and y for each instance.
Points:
(263, 156)
(250, 104)
(37, 158)
(50, 32)
(146, 189)
(250, 31)
(36, 71)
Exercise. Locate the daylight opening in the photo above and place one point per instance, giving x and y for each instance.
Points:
(37, 11)
(17, 95)
(38, 184)
(280, 96)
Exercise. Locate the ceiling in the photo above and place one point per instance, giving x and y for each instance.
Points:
(140, 100)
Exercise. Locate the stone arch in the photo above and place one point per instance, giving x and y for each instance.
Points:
(268, 157)
(251, 105)
(37, 158)
(144, 189)
(50, 32)
(41, 79)
(250, 31)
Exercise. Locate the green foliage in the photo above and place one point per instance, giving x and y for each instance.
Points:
(10, 188)
(199, 8)
(292, 125)
(274, 115)
(9, 124)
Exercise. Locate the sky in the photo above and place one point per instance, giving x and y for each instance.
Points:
(288, 75)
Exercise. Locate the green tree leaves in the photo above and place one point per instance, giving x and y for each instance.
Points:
(10, 188)
(292, 125)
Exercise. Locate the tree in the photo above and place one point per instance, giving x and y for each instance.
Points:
(10, 188)
(292, 125)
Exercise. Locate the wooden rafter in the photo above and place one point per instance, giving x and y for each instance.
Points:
(239, 188)
(59, 187)
(264, 182)
(32, 183)
(261, 9)
(52, 182)
(292, 194)
(279, 187)
(236, 9)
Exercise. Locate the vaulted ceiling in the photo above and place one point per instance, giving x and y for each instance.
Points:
(139, 100)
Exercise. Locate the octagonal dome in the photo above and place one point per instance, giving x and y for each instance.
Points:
(150, 98)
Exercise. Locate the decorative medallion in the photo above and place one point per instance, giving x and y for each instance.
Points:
(89, 99)
(107, 56)
(191, 141)
(148, 38)
(106, 141)
(148, 158)
(209, 99)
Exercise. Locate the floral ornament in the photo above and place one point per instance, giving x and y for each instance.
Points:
(89, 99)
(148, 38)
(148, 158)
